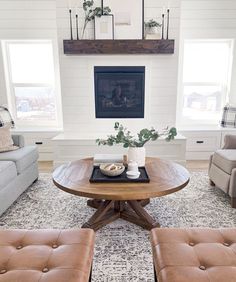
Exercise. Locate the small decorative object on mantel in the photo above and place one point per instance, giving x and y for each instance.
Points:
(152, 30)
(163, 24)
(77, 24)
(91, 13)
(128, 18)
(71, 30)
(104, 24)
(136, 150)
(104, 27)
(168, 23)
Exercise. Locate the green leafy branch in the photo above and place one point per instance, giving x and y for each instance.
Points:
(123, 136)
(152, 23)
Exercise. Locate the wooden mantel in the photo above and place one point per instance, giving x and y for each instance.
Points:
(116, 47)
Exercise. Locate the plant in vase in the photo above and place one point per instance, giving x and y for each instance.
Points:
(136, 151)
(91, 13)
(152, 29)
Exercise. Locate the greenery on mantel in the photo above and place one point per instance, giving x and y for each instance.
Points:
(123, 136)
(151, 23)
(91, 13)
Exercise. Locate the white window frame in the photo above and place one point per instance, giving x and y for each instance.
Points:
(182, 121)
(24, 124)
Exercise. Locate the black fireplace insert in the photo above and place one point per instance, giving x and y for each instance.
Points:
(119, 92)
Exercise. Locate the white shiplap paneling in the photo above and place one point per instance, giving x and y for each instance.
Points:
(77, 78)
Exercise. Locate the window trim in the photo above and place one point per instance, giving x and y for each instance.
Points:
(184, 122)
(11, 98)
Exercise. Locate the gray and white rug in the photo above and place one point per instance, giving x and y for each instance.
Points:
(123, 252)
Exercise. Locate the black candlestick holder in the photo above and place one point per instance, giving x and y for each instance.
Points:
(168, 23)
(77, 26)
(71, 31)
(102, 6)
(163, 26)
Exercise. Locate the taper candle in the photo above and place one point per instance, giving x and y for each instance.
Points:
(168, 23)
(77, 26)
(163, 25)
(102, 6)
(71, 32)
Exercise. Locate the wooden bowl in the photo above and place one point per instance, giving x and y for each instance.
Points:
(107, 170)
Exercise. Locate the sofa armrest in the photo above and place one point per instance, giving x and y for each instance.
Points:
(230, 142)
(18, 140)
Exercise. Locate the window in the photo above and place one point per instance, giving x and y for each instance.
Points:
(205, 81)
(32, 91)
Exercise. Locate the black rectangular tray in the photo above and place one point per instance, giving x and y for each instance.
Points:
(98, 177)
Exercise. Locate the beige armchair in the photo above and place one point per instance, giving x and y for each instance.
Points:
(222, 168)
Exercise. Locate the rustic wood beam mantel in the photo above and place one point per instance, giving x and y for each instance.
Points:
(116, 47)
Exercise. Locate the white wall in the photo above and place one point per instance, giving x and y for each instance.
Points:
(210, 19)
(77, 78)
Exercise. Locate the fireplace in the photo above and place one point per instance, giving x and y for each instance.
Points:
(119, 92)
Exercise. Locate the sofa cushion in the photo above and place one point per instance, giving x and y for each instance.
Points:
(225, 159)
(7, 173)
(23, 157)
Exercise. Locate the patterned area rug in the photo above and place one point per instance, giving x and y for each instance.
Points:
(123, 250)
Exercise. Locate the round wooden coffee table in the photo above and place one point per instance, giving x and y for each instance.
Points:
(121, 200)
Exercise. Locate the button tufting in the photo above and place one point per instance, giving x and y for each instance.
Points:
(19, 247)
(55, 246)
(45, 269)
(191, 244)
(202, 267)
(226, 244)
(3, 271)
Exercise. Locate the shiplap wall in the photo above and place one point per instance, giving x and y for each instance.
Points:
(49, 19)
(210, 19)
(77, 78)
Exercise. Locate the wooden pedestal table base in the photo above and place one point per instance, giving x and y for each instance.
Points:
(121, 200)
(109, 211)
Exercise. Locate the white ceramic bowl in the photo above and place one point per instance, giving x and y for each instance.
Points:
(133, 174)
(112, 169)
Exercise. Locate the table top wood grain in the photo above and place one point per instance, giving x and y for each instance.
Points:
(166, 177)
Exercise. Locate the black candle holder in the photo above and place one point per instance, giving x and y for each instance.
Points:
(77, 26)
(168, 23)
(71, 31)
(163, 25)
(102, 6)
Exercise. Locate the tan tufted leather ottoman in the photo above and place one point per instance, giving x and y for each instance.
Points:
(194, 255)
(46, 255)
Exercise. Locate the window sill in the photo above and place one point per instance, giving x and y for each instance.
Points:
(25, 129)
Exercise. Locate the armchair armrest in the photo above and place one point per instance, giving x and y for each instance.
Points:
(18, 140)
(230, 142)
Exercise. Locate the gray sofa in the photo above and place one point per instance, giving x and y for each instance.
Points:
(222, 168)
(18, 170)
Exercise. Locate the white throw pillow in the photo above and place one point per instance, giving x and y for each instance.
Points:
(6, 142)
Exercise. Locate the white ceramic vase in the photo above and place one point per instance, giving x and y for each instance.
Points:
(152, 33)
(137, 154)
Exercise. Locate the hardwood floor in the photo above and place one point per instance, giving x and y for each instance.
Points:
(45, 166)
(191, 165)
(197, 165)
